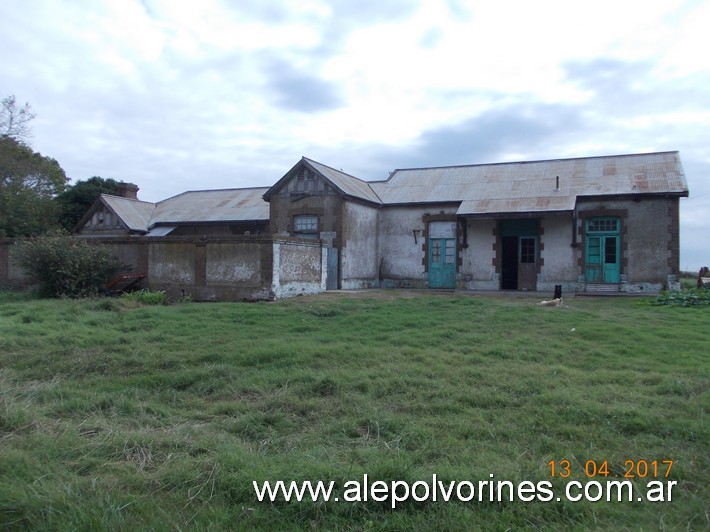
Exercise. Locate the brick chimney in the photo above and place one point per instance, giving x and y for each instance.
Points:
(127, 190)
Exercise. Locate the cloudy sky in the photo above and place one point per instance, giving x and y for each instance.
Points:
(189, 95)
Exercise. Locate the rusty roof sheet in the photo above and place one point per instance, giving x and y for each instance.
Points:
(134, 213)
(227, 205)
(532, 186)
(349, 185)
(484, 189)
(230, 205)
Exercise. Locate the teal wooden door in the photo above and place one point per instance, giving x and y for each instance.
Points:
(442, 263)
(610, 268)
(594, 260)
(602, 259)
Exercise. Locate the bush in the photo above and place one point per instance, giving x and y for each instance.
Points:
(145, 297)
(685, 298)
(66, 266)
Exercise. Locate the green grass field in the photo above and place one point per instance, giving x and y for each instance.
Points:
(123, 417)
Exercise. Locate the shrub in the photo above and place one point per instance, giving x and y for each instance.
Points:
(66, 266)
(145, 297)
(685, 298)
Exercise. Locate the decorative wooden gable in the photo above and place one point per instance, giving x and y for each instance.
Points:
(304, 181)
(102, 220)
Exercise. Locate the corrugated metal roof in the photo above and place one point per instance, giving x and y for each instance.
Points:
(349, 185)
(228, 205)
(532, 186)
(481, 189)
(134, 213)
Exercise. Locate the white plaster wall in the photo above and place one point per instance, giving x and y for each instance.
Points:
(358, 255)
(299, 268)
(477, 269)
(400, 254)
(560, 258)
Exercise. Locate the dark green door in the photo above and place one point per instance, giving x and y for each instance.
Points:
(442, 263)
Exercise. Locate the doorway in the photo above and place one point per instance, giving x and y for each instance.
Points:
(441, 255)
(602, 261)
(518, 254)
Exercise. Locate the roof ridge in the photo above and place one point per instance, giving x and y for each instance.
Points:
(334, 169)
(527, 162)
(367, 183)
(114, 196)
(210, 190)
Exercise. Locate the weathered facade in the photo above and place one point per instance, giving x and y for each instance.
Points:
(588, 224)
(594, 224)
(209, 268)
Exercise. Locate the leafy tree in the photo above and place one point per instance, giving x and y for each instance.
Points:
(28, 183)
(76, 200)
(28, 180)
(66, 266)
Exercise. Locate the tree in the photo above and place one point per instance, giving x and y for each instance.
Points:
(76, 200)
(14, 121)
(28, 180)
(28, 183)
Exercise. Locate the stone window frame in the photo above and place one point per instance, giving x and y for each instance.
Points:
(305, 225)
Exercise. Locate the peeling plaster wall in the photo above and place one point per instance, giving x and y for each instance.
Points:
(232, 262)
(219, 270)
(559, 258)
(171, 263)
(401, 253)
(211, 269)
(359, 261)
(299, 268)
(478, 270)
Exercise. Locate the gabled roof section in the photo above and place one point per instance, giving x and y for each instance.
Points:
(348, 185)
(197, 206)
(227, 205)
(534, 186)
(134, 213)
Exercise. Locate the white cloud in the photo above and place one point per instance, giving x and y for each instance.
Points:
(185, 95)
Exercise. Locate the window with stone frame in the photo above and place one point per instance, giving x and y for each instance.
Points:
(305, 226)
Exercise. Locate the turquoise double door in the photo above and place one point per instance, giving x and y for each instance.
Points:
(602, 264)
(441, 255)
(442, 263)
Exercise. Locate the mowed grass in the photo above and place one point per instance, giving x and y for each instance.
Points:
(122, 418)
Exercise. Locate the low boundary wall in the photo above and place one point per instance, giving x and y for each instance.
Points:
(229, 268)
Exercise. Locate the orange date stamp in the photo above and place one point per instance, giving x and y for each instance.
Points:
(600, 468)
